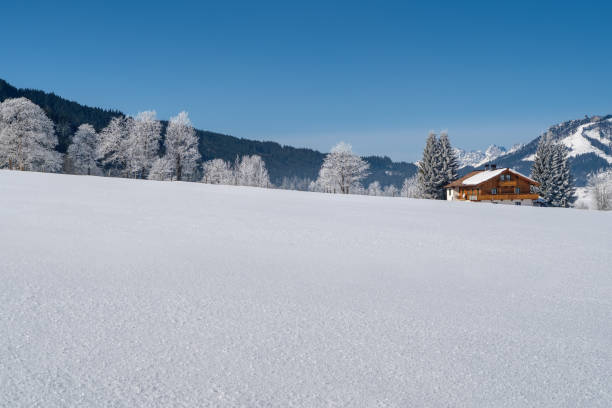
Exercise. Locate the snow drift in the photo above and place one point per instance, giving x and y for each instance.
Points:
(127, 293)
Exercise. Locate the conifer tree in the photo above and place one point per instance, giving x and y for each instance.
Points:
(448, 161)
(563, 190)
(541, 169)
(552, 170)
(429, 176)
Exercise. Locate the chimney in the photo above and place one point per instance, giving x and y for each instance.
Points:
(486, 167)
(493, 166)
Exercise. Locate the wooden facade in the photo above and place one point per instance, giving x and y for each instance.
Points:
(503, 185)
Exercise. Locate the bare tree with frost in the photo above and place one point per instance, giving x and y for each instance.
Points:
(82, 151)
(143, 143)
(161, 169)
(27, 137)
(182, 146)
(599, 187)
(411, 188)
(342, 169)
(112, 149)
(374, 189)
(217, 171)
(251, 171)
(391, 191)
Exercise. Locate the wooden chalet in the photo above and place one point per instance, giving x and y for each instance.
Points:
(504, 186)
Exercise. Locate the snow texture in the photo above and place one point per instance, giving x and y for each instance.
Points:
(578, 144)
(482, 177)
(135, 293)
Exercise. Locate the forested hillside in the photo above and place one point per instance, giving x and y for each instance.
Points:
(281, 161)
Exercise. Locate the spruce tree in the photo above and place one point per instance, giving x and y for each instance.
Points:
(541, 170)
(562, 194)
(448, 163)
(430, 179)
(552, 170)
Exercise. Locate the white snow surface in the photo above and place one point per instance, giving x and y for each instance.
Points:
(578, 144)
(482, 176)
(125, 293)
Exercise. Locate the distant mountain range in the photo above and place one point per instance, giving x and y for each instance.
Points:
(477, 158)
(281, 161)
(589, 141)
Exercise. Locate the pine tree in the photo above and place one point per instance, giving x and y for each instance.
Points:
(430, 175)
(562, 188)
(541, 170)
(552, 170)
(448, 162)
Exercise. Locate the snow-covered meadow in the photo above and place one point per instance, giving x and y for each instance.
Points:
(126, 293)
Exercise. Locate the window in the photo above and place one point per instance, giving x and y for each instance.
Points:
(517, 203)
(517, 190)
(493, 191)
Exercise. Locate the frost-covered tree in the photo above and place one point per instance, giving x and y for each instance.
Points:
(217, 171)
(82, 151)
(326, 182)
(182, 146)
(431, 179)
(359, 189)
(295, 183)
(391, 191)
(542, 166)
(374, 189)
(448, 161)
(112, 149)
(563, 191)
(342, 169)
(599, 187)
(251, 171)
(27, 137)
(551, 169)
(161, 169)
(143, 143)
(411, 188)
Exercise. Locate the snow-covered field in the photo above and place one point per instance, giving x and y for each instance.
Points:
(124, 293)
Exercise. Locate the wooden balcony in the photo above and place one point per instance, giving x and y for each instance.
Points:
(487, 197)
(508, 183)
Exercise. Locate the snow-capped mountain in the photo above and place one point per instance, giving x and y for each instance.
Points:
(589, 141)
(476, 158)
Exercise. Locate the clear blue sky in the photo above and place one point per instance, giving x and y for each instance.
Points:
(379, 75)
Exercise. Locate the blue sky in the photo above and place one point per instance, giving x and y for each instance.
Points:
(379, 75)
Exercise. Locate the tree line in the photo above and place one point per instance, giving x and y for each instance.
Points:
(127, 147)
(132, 147)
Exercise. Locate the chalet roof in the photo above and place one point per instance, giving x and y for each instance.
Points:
(480, 176)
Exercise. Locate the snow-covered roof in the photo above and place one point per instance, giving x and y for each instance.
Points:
(486, 175)
(482, 176)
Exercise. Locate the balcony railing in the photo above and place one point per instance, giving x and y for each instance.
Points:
(487, 197)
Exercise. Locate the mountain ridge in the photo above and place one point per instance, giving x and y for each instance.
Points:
(589, 142)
